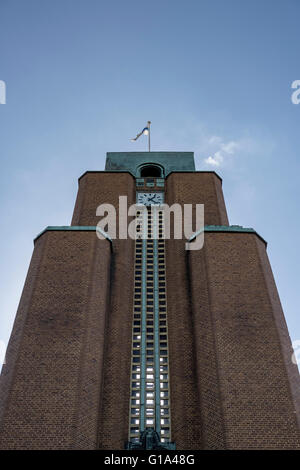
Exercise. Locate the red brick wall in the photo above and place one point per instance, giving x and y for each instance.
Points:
(186, 426)
(193, 426)
(7, 372)
(97, 188)
(66, 383)
(234, 292)
(52, 381)
(114, 417)
(198, 188)
(284, 338)
(206, 357)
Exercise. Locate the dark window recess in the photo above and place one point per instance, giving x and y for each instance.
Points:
(151, 170)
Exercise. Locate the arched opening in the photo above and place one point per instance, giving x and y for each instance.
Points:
(151, 170)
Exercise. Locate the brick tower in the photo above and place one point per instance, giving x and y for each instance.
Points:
(121, 342)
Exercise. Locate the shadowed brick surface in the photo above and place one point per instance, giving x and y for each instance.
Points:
(95, 189)
(113, 422)
(185, 407)
(53, 397)
(101, 188)
(245, 316)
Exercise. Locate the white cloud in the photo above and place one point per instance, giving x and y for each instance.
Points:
(230, 147)
(220, 150)
(214, 160)
(214, 139)
(212, 150)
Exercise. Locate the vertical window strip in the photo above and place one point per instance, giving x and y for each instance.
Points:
(150, 355)
(135, 388)
(156, 323)
(165, 411)
(144, 322)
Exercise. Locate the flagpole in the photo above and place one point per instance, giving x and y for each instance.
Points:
(149, 123)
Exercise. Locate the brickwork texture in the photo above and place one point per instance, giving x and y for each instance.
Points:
(66, 381)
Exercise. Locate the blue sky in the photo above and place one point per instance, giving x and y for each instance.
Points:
(213, 76)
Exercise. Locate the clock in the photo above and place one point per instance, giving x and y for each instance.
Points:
(150, 199)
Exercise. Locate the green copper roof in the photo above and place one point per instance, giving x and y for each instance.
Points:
(207, 228)
(74, 228)
(226, 228)
(133, 161)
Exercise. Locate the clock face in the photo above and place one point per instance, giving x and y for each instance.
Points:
(150, 199)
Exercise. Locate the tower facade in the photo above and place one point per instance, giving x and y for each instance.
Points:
(121, 341)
